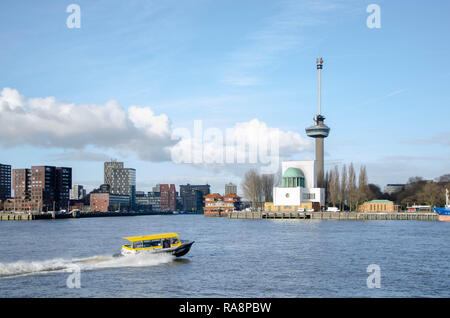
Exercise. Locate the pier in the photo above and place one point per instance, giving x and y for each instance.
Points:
(363, 216)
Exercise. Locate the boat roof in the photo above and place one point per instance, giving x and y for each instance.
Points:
(150, 237)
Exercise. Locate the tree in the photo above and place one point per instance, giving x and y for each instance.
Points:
(352, 190)
(334, 186)
(431, 194)
(363, 187)
(343, 187)
(267, 184)
(374, 192)
(251, 187)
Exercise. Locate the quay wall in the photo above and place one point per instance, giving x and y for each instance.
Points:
(335, 215)
(52, 215)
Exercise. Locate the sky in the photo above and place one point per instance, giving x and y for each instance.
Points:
(136, 74)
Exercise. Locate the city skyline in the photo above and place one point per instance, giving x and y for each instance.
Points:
(127, 94)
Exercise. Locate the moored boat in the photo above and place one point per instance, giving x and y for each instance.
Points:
(157, 243)
(444, 213)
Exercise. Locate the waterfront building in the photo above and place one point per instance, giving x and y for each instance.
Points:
(216, 205)
(302, 186)
(105, 202)
(298, 188)
(394, 188)
(179, 202)
(77, 192)
(193, 197)
(167, 197)
(378, 206)
(230, 188)
(5, 182)
(122, 181)
(154, 198)
(42, 188)
(142, 201)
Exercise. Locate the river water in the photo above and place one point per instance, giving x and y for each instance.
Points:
(230, 258)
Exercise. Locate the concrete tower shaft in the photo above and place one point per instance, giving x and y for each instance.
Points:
(319, 131)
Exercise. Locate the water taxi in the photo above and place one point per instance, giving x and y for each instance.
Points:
(157, 243)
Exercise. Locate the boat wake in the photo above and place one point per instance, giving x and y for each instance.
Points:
(21, 268)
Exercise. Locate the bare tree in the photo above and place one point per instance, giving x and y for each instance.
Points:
(431, 194)
(251, 187)
(267, 184)
(363, 187)
(344, 183)
(334, 186)
(352, 194)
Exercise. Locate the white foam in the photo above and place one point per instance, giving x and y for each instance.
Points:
(89, 263)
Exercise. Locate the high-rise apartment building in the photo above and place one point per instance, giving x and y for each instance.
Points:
(122, 181)
(42, 188)
(5, 181)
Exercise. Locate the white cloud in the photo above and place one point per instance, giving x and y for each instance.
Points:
(46, 122)
(235, 149)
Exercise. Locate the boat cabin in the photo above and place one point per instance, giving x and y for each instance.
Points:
(156, 241)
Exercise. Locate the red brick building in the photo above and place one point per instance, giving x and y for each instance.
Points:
(104, 202)
(42, 188)
(168, 197)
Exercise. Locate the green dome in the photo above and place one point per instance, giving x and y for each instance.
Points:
(292, 173)
(293, 178)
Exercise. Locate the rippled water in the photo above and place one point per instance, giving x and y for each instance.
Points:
(230, 258)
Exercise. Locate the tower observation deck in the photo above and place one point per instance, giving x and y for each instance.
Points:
(319, 131)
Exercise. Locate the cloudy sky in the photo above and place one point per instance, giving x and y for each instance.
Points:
(143, 81)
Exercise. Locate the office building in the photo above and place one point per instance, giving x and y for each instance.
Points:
(230, 188)
(5, 182)
(77, 192)
(193, 195)
(154, 198)
(105, 202)
(394, 188)
(168, 196)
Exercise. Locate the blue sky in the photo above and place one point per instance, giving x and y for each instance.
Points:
(385, 91)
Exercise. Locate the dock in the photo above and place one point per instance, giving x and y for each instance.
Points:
(363, 216)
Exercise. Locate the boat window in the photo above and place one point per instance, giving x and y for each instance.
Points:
(137, 245)
(156, 243)
(175, 240)
(148, 244)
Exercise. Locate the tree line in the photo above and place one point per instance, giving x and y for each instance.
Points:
(342, 188)
(258, 188)
(418, 191)
(344, 191)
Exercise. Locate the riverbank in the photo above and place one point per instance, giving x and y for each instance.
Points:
(52, 215)
(336, 215)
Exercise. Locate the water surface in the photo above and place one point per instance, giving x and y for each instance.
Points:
(230, 258)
